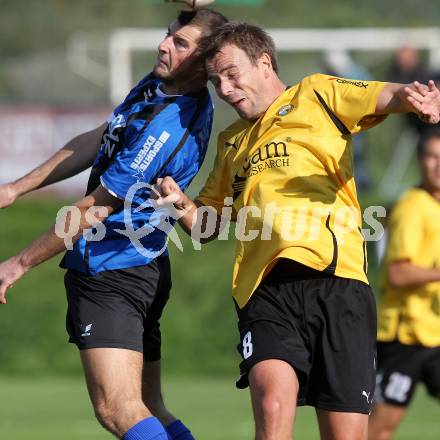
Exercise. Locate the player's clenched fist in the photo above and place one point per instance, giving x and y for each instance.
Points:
(166, 191)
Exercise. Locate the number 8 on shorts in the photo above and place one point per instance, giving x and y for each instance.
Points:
(247, 345)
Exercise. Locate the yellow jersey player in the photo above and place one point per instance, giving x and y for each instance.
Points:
(409, 313)
(307, 317)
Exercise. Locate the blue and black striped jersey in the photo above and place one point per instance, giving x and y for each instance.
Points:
(149, 135)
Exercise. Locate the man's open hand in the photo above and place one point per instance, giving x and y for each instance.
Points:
(425, 101)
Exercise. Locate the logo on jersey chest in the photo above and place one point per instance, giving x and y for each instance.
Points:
(148, 152)
(285, 110)
(272, 150)
(271, 155)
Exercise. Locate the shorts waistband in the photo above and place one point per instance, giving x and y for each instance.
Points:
(290, 270)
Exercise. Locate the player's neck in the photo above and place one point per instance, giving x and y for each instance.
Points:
(274, 89)
(278, 88)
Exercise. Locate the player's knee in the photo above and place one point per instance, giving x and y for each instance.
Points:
(381, 432)
(271, 407)
(106, 414)
(112, 415)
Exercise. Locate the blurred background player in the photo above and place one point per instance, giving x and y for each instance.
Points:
(409, 312)
(115, 292)
(408, 66)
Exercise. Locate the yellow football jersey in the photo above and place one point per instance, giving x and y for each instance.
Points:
(290, 177)
(412, 315)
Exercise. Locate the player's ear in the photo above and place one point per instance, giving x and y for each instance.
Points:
(266, 63)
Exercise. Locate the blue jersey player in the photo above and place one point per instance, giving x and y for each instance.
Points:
(117, 279)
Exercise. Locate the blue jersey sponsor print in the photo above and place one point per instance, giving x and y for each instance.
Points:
(149, 135)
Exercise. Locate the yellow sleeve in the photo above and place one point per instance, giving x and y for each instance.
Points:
(405, 232)
(219, 183)
(352, 101)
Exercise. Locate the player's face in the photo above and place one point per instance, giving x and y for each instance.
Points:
(238, 81)
(176, 50)
(430, 164)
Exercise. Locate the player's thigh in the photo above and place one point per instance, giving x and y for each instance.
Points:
(275, 380)
(112, 374)
(342, 425)
(274, 389)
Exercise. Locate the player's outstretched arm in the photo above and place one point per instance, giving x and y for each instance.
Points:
(92, 210)
(76, 156)
(167, 192)
(405, 274)
(424, 100)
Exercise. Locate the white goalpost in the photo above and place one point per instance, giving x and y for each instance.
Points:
(124, 41)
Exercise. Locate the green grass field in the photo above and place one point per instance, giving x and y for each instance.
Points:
(59, 409)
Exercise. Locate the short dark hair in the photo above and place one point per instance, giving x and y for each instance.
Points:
(207, 20)
(250, 38)
(425, 137)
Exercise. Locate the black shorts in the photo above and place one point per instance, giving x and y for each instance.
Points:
(119, 308)
(401, 367)
(322, 325)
